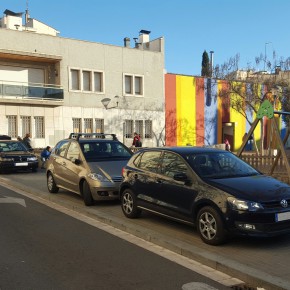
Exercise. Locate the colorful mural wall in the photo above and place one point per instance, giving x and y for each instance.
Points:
(197, 115)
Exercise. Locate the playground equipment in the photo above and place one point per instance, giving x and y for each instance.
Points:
(266, 110)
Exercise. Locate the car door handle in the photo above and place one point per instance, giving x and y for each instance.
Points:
(63, 163)
(159, 180)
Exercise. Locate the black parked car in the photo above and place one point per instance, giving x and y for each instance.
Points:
(15, 156)
(210, 188)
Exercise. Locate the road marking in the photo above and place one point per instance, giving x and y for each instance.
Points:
(197, 286)
(8, 199)
(190, 264)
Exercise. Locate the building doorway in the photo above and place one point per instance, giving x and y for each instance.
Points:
(228, 132)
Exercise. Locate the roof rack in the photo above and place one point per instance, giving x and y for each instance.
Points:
(77, 136)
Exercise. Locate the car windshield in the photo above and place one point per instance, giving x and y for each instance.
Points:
(219, 165)
(11, 147)
(104, 149)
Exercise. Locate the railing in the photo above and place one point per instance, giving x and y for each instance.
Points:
(31, 91)
(264, 164)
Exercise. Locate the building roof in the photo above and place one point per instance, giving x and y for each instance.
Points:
(11, 13)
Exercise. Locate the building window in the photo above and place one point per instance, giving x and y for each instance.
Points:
(133, 85)
(26, 125)
(39, 127)
(98, 82)
(75, 79)
(99, 125)
(139, 127)
(138, 86)
(86, 80)
(77, 125)
(12, 126)
(88, 125)
(129, 85)
(129, 128)
(148, 129)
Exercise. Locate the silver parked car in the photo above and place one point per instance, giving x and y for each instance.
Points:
(89, 165)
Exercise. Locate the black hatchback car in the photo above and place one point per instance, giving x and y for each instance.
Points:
(209, 188)
(14, 156)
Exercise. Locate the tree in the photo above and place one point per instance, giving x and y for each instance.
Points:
(242, 92)
(205, 65)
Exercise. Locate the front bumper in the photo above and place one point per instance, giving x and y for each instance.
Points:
(263, 224)
(108, 191)
(15, 166)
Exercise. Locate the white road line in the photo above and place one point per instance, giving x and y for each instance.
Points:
(190, 264)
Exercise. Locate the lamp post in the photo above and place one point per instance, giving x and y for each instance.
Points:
(106, 102)
(265, 59)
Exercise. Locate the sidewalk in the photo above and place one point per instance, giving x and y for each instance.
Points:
(261, 263)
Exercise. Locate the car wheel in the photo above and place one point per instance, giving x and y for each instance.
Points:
(87, 195)
(51, 185)
(210, 226)
(129, 204)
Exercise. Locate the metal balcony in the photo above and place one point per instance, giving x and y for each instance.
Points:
(12, 91)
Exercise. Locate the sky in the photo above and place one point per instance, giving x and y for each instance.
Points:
(248, 28)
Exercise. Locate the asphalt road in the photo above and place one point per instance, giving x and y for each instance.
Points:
(42, 248)
(258, 262)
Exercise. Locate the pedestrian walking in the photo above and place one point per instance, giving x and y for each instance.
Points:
(137, 140)
(44, 156)
(27, 141)
(228, 145)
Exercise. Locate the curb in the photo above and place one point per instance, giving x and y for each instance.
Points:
(251, 276)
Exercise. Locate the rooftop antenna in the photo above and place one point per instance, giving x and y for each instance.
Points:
(26, 13)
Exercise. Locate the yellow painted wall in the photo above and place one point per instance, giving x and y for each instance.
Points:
(186, 110)
(240, 124)
(219, 116)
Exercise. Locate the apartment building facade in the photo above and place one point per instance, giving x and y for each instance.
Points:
(51, 86)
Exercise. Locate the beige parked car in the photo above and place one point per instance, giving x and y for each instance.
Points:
(89, 165)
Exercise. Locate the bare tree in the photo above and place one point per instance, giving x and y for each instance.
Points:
(242, 91)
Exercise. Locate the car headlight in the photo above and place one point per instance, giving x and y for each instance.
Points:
(6, 159)
(32, 159)
(98, 177)
(245, 205)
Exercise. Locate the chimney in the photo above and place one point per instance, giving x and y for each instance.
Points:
(277, 69)
(126, 42)
(211, 62)
(144, 36)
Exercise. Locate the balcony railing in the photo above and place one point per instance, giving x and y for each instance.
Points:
(30, 91)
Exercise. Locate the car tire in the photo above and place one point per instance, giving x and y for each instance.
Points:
(51, 185)
(87, 195)
(129, 204)
(34, 169)
(210, 226)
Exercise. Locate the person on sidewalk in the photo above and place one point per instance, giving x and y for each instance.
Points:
(44, 156)
(227, 145)
(27, 141)
(137, 140)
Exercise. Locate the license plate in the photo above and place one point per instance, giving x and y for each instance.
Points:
(283, 216)
(21, 164)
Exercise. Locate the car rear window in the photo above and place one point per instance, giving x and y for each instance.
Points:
(104, 149)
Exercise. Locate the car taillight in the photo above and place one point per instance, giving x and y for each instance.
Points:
(123, 171)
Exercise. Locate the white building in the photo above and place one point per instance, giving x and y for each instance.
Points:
(51, 86)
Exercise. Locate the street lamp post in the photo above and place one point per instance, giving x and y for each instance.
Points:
(265, 58)
(106, 102)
